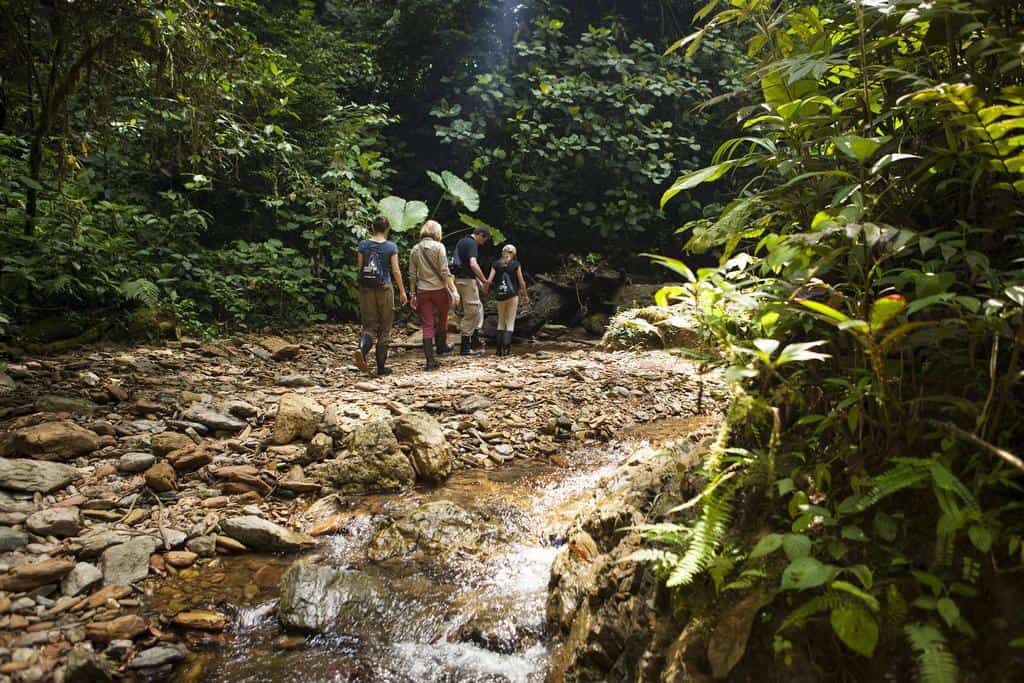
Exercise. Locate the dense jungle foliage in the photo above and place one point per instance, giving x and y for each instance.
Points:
(211, 165)
(869, 309)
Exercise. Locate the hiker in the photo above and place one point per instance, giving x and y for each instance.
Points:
(377, 266)
(469, 279)
(506, 278)
(431, 287)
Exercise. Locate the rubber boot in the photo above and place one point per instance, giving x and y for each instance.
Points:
(428, 351)
(365, 342)
(506, 342)
(442, 345)
(475, 342)
(464, 348)
(382, 358)
(499, 344)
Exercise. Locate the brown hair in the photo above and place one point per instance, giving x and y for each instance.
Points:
(381, 225)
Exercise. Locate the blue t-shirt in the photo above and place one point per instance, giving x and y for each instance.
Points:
(385, 249)
(465, 249)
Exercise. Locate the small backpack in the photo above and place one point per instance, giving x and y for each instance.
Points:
(506, 287)
(372, 272)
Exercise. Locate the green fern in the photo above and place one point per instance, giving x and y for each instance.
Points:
(906, 473)
(140, 291)
(935, 663)
(820, 603)
(707, 536)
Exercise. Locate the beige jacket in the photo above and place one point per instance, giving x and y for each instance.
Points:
(428, 266)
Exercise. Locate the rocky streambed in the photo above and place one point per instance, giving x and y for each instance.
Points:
(259, 510)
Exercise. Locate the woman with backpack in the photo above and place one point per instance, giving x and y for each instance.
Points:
(507, 283)
(432, 288)
(377, 267)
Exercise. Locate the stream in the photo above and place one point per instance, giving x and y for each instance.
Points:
(466, 604)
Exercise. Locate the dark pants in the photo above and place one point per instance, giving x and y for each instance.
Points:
(426, 302)
(377, 308)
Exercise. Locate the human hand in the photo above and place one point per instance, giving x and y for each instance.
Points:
(456, 299)
(403, 298)
(412, 301)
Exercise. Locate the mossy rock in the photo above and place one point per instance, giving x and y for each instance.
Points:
(653, 327)
(152, 322)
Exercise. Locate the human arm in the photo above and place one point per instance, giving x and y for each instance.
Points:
(524, 293)
(490, 277)
(413, 274)
(359, 261)
(396, 275)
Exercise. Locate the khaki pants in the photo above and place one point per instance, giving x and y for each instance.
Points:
(507, 314)
(377, 308)
(472, 308)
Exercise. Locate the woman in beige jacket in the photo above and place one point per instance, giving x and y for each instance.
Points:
(432, 291)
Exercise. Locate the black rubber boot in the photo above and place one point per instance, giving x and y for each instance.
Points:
(506, 342)
(442, 345)
(365, 342)
(382, 358)
(499, 345)
(428, 351)
(465, 349)
(475, 342)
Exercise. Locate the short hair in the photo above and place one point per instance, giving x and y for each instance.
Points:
(510, 248)
(482, 231)
(431, 229)
(381, 225)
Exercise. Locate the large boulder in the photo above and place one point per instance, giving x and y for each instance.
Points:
(437, 528)
(431, 454)
(58, 440)
(261, 534)
(373, 462)
(654, 327)
(315, 599)
(34, 475)
(297, 418)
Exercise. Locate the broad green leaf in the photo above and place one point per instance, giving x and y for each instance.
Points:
(884, 310)
(859, 148)
(852, 532)
(886, 527)
(804, 573)
(863, 574)
(867, 598)
(796, 546)
(461, 190)
(664, 296)
(981, 537)
(675, 265)
(766, 546)
(497, 236)
(948, 610)
(856, 627)
(887, 159)
(401, 214)
(692, 180)
(801, 352)
(824, 309)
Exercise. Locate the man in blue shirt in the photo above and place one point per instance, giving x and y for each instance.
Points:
(470, 281)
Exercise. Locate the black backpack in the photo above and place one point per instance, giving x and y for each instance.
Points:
(506, 287)
(372, 273)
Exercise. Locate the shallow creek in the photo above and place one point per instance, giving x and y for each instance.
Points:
(474, 612)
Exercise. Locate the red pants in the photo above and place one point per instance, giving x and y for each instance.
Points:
(426, 302)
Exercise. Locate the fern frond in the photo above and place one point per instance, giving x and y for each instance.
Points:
(825, 602)
(935, 663)
(707, 535)
(661, 560)
(906, 473)
(141, 291)
(667, 533)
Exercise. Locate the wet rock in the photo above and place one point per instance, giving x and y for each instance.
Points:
(214, 419)
(297, 418)
(121, 628)
(438, 527)
(86, 666)
(29, 575)
(79, 579)
(128, 562)
(496, 629)
(61, 522)
(161, 477)
(12, 539)
(317, 599)
(374, 462)
(431, 455)
(166, 442)
(203, 546)
(132, 463)
(59, 440)
(203, 620)
(260, 534)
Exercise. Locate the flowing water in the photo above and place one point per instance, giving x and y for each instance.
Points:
(472, 611)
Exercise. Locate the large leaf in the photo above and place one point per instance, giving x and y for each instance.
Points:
(497, 236)
(885, 309)
(856, 627)
(692, 180)
(859, 148)
(457, 188)
(804, 573)
(402, 214)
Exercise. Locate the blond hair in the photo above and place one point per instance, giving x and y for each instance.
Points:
(510, 250)
(431, 229)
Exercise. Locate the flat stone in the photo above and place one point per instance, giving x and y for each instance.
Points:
(122, 628)
(59, 440)
(95, 542)
(157, 656)
(128, 562)
(66, 404)
(34, 475)
(180, 559)
(62, 522)
(292, 381)
(12, 539)
(261, 534)
(471, 404)
(241, 409)
(132, 463)
(79, 579)
(278, 348)
(29, 575)
(165, 442)
(203, 620)
(189, 459)
(316, 598)
(214, 419)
